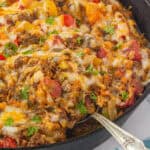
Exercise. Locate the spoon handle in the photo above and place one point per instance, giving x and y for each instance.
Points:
(125, 139)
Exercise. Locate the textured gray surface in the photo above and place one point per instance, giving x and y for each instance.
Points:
(137, 124)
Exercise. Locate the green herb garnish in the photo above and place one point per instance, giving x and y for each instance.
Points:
(9, 121)
(81, 107)
(53, 32)
(36, 119)
(92, 70)
(11, 46)
(79, 40)
(80, 54)
(27, 52)
(109, 29)
(10, 49)
(93, 96)
(78, 22)
(32, 130)
(117, 46)
(24, 93)
(42, 40)
(124, 95)
(102, 72)
(50, 20)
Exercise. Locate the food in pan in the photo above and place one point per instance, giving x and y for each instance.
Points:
(59, 60)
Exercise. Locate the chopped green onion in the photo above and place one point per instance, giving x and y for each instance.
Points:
(80, 54)
(92, 70)
(124, 95)
(32, 130)
(9, 121)
(109, 29)
(81, 107)
(36, 119)
(93, 97)
(27, 52)
(24, 93)
(50, 20)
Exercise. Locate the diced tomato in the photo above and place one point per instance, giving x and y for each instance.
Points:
(101, 53)
(95, 1)
(57, 40)
(16, 41)
(128, 103)
(2, 57)
(8, 142)
(138, 87)
(53, 86)
(135, 46)
(21, 7)
(68, 20)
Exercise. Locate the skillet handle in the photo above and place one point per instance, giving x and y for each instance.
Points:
(125, 139)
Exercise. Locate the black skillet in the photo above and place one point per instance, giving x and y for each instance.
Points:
(90, 134)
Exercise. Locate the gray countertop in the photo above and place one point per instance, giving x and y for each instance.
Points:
(138, 124)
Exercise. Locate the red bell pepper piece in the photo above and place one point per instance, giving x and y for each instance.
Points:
(135, 47)
(68, 20)
(128, 103)
(8, 142)
(53, 86)
(101, 53)
(95, 1)
(2, 57)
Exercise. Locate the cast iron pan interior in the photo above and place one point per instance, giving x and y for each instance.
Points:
(89, 135)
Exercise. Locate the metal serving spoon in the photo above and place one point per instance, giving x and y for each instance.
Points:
(125, 139)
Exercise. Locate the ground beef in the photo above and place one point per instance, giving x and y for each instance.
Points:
(20, 61)
(28, 17)
(26, 39)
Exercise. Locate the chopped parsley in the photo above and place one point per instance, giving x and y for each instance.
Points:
(53, 32)
(80, 54)
(124, 95)
(50, 20)
(31, 131)
(93, 96)
(109, 29)
(24, 93)
(117, 46)
(27, 52)
(36, 119)
(78, 22)
(79, 40)
(91, 70)
(10, 49)
(42, 40)
(102, 72)
(9, 121)
(81, 107)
